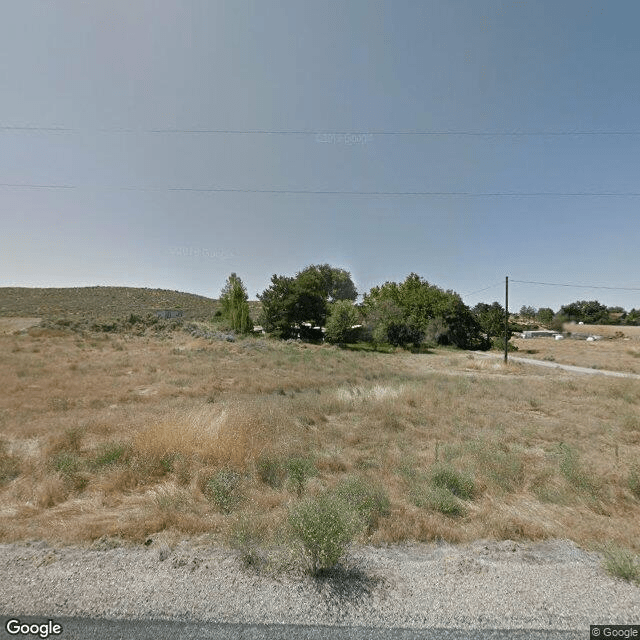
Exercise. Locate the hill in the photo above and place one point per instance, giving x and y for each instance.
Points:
(100, 302)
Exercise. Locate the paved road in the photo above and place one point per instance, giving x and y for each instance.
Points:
(90, 629)
(566, 367)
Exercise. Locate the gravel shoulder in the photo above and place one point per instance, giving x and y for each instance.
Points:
(500, 585)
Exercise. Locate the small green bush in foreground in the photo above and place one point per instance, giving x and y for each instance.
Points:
(621, 563)
(325, 525)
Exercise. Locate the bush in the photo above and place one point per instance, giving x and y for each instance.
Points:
(325, 526)
(634, 481)
(457, 483)
(271, 471)
(299, 470)
(343, 316)
(369, 500)
(223, 490)
(111, 453)
(9, 464)
(621, 563)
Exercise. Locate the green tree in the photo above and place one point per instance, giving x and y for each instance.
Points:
(545, 315)
(278, 302)
(235, 305)
(332, 283)
(527, 312)
(289, 305)
(491, 318)
(588, 311)
(408, 311)
(342, 317)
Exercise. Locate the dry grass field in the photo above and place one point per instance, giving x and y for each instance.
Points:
(113, 435)
(614, 354)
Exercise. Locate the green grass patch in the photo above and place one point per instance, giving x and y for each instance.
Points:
(622, 563)
(223, 489)
(299, 470)
(457, 483)
(369, 499)
(574, 474)
(271, 471)
(111, 453)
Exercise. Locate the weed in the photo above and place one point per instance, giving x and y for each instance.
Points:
(299, 470)
(622, 563)
(111, 453)
(573, 472)
(271, 471)
(9, 464)
(634, 481)
(325, 525)
(67, 463)
(247, 537)
(59, 404)
(370, 500)
(499, 464)
(223, 490)
(442, 500)
(457, 483)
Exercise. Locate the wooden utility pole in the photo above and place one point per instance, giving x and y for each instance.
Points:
(506, 320)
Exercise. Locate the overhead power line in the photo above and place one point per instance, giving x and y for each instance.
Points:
(491, 286)
(468, 194)
(310, 132)
(578, 286)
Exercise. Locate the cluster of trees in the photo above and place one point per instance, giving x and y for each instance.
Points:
(587, 311)
(320, 300)
(321, 296)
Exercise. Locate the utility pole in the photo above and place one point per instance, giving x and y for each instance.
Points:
(506, 320)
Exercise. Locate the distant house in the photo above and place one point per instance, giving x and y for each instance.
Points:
(539, 334)
(166, 314)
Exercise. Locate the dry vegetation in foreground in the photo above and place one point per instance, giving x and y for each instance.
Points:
(611, 354)
(127, 436)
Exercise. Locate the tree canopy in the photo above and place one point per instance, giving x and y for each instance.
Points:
(413, 309)
(235, 305)
(289, 304)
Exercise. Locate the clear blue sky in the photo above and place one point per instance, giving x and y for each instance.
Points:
(119, 76)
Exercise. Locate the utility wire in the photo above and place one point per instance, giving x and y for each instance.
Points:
(469, 194)
(577, 286)
(491, 286)
(309, 132)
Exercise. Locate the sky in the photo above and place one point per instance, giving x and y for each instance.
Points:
(167, 144)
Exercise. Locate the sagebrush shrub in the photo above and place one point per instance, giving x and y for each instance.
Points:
(456, 482)
(224, 489)
(325, 525)
(370, 500)
(299, 470)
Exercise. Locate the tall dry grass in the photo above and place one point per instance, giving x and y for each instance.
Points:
(130, 437)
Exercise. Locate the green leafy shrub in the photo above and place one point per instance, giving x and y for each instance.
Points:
(325, 525)
(111, 453)
(573, 472)
(271, 471)
(223, 489)
(299, 470)
(369, 500)
(456, 482)
(442, 500)
(622, 563)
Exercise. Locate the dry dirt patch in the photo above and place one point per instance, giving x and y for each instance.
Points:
(10, 325)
